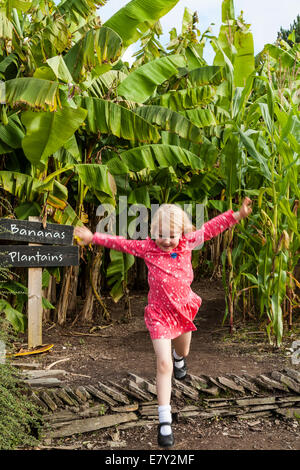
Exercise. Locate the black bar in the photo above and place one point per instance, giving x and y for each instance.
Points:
(38, 256)
(34, 232)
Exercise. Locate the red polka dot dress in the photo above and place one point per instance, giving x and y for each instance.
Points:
(172, 305)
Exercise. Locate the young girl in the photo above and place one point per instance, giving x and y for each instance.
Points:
(172, 305)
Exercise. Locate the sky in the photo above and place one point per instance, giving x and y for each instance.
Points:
(265, 16)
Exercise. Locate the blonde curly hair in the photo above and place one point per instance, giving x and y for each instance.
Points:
(170, 218)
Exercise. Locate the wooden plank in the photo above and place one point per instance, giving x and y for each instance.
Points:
(141, 393)
(37, 374)
(92, 424)
(123, 409)
(34, 232)
(127, 391)
(290, 399)
(118, 396)
(231, 384)
(265, 382)
(30, 256)
(186, 390)
(293, 374)
(147, 386)
(100, 395)
(140, 422)
(48, 400)
(43, 382)
(255, 415)
(197, 382)
(255, 401)
(290, 413)
(290, 383)
(245, 383)
(82, 393)
(34, 305)
(25, 365)
(66, 398)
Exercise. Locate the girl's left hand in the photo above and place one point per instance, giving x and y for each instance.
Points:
(245, 209)
(84, 234)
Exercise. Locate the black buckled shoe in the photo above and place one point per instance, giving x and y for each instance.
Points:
(180, 372)
(165, 441)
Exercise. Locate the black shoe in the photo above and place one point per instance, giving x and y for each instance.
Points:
(165, 441)
(180, 372)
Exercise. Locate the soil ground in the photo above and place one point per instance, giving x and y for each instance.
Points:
(126, 347)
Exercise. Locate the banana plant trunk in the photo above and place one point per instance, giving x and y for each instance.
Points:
(86, 315)
(68, 291)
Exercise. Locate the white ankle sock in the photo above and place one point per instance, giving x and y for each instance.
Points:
(178, 364)
(165, 416)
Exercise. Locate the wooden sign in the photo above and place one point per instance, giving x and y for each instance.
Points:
(35, 256)
(34, 232)
(38, 256)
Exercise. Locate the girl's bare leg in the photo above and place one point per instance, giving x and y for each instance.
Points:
(164, 368)
(182, 344)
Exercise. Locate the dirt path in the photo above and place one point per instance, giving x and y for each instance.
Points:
(127, 348)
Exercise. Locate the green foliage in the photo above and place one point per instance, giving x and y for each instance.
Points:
(80, 127)
(292, 34)
(134, 19)
(20, 419)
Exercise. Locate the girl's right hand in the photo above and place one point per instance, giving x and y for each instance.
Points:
(85, 234)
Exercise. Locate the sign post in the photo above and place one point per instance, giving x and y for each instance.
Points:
(35, 303)
(37, 254)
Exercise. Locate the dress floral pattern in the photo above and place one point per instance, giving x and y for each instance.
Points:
(172, 305)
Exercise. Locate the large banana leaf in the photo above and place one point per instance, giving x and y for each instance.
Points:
(208, 75)
(185, 99)
(244, 59)
(7, 61)
(97, 178)
(171, 121)
(6, 28)
(227, 10)
(67, 216)
(81, 8)
(133, 20)
(207, 151)
(24, 187)
(95, 52)
(35, 92)
(105, 82)
(16, 318)
(54, 38)
(116, 272)
(142, 82)
(12, 134)
(48, 131)
(231, 153)
(287, 58)
(61, 71)
(57, 198)
(253, 151)
(22, 5)
(110, 118)
(28, 189)
(159, 155)
(201, 117)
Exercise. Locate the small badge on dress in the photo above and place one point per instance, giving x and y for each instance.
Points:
(174, 255)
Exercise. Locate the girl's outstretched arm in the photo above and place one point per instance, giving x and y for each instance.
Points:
(115, 242)
(218, 224)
